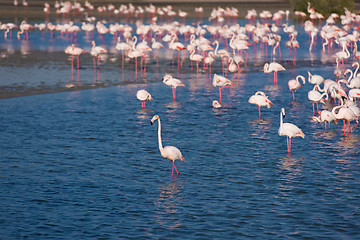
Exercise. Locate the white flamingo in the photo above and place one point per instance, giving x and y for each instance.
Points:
(143, 96)
(172, 82)
(289, 130)
(273, 67)
(260, 99)
(168, 152)
(294, 84)
(221, 82)
(325, 116)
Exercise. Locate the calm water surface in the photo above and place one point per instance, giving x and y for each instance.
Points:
(86, 165)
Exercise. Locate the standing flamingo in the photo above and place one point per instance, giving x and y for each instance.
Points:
(74, 51)
(196, 58)
(325, 116)
(316, 97)
(169, 152)
(294, 84)
(95, 53)
(172, 82)
(221, 82)
(289, 130)
(143, 96)
(273, 67)
(346, 114)
(315, 79)
(156, 45)
(260, 99)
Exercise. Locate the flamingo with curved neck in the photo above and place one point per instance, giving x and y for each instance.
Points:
(169, 152)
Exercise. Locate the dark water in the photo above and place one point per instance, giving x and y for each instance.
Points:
(86, 165)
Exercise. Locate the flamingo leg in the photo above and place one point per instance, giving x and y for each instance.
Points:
(72, 69)
(313, 108)
(177, 173)
(259, 112)
(289, 150)
(220, 93)
(325, 126)
(293, 95)
(174, 94)
(344, 127)
(94, 71)
(78, 70)
(317, 106)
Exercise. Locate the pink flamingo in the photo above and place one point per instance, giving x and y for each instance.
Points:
(74, 51)
(294, 84)
(289, 130)
(273, 67)
(169, 152)
(196, 58)
(260, 99)
(221, 82)
(143, 96)
(95, 53)
(172, 82)
(325, 116)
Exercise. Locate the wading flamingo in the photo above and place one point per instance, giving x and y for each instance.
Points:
(260, 99)
(294, 84)
(289, 130)
(172, 82)
(74, 51)
(221, 82)
(273, 67)
(143, 96)
(325, 116)
(95, 53)
(168, 152)
(346, 114)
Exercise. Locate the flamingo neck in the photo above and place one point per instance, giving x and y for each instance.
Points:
(217, 46)
(159, 136)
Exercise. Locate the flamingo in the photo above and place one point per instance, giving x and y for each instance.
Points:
(168, 152)
(289, 130)
(196, 58)
(315, 79)
(342, 54)
(95, 53)
(74, 51)
(172, 82)
(316, 97)
(221, 82)
(121, 46)
(216, 104)
(260, 99)
(273, 67)
(156, 45)
(294, 84)
(354, 94)
(346, 114)
(143, 96)
(325, 116)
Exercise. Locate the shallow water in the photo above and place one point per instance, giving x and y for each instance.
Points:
(85, 164)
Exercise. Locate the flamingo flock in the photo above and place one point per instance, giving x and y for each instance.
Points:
(222, 41)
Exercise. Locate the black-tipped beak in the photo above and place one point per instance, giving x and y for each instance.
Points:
(151, 123)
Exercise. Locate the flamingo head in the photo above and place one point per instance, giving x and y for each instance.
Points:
(283, 112)
(269, 103)
(149, 98)
(156, 117)
(302, 79)
(166, 78)
(216, 104)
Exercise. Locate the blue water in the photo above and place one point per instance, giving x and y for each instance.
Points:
(85, 164)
